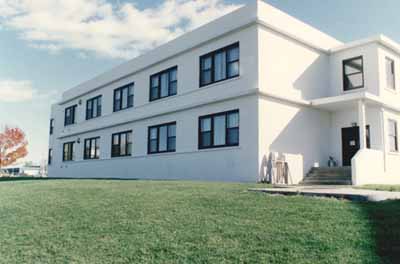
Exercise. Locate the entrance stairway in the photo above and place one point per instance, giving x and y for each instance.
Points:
(328, 176)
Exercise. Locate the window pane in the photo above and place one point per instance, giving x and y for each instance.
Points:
(392, 128)
(124, 98)
(164, 85)
(233, 120)
(154, 93)
(153, 133)
(233, 136)
(233, 69)
(171, 143)
(233, 54)
(93, 149)
(115, 140)
(173, 75)
(354, 81)
(205, 124)
(154, 81)
(205, 139)
(206, 63)
(393, 144)
(220, 66)
(94, 111)
(206, 77)
(219, 130)
(172, 88)
(353, 66)
(390, 78)
(171, 130)
(123, 145)
(162, 146)
(153, 145)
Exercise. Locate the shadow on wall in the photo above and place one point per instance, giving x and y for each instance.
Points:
(385, 223)
(303, 141)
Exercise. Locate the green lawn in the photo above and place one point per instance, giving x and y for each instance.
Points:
(94, 221)
(390, 188)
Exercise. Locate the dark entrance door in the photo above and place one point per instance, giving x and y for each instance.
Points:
(350, 144)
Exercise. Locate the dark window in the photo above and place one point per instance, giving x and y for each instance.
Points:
(123, 97)
(163, 84)
(121, 144)
(69, 117)
(390, 75)
(92, 148)
(162, 138)
(68, 151)
(219, 65)
(368, 136)
(219, 130)
(393, 142)
(51, 126)
(50, 157)
(353, 73)
(93, 107)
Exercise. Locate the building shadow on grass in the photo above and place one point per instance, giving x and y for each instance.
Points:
(385, 220)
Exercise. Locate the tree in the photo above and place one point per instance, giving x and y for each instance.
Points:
(13, 146)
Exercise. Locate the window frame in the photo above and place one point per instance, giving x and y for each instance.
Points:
(129, 102)
(98, 99)
(149, 152)
(395, 136)
(344, 75)
(73, 121)
(212, 69)
(159, 74)
(119, 134)
(50, 156)
(212, 117)
(51, 130)
(96, 149)
(393, 70)
(70, 156)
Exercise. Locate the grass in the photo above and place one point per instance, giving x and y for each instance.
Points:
(377, 187)
(111, 221)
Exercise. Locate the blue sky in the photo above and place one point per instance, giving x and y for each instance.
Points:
(44, 50)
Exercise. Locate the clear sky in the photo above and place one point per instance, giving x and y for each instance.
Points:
(48, 46)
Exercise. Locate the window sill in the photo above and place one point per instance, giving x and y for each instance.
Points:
(362, 89)
(390, 90)
(394, 153)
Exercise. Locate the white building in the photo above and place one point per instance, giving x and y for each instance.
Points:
(228, 100)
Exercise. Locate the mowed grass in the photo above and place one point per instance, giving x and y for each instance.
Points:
(111, 221)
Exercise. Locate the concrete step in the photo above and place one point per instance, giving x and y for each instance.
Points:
(328, 176)
(325, 183)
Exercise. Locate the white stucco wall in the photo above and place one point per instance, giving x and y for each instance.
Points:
(300, 133)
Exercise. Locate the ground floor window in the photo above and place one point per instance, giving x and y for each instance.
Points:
(68, 151)
(219, 130)
(92, 148)
(162, 138)
(393, 142)
(121, 144)
(50, 157)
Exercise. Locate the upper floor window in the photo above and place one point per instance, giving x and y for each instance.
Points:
(93, 107)
(69, 118)
(121, 144)
(163, 84)
(393, 141)
(353, 73)
(390, 75)
(50, 157)
(51, 126)
(92, 148)
(219, 65)
(219, 130)
(162, 138)
(68, 151)
(123, 97)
